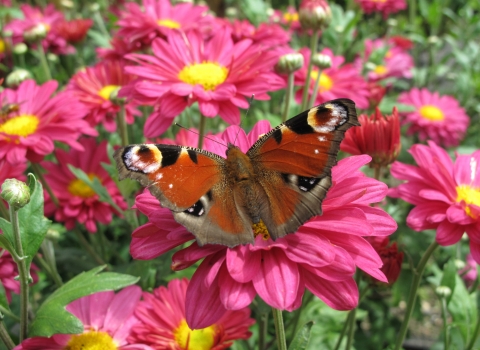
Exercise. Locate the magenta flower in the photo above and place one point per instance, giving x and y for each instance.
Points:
(340, 80)
(469, 273)
(437, 118)
(217, 73)
(9, 272)
(30, 132)
(385, 6)
(107, 319)
(163, 325)
(78, 202)
(321, 256)
(156, 18)
(93, 87)
(446, 194)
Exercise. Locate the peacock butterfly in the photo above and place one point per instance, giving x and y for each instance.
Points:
(281, 181)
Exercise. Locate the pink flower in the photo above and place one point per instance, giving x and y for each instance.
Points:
(341, 80)
(288, 18)
(93, 87)
(385, 7)
(217, 73)
(158, 18)
(119, 48)
(321, 256)
(9, 271)
(439, 118)
(446, 194)
(268, 34)
(78, 202)
(469, 273)
(163, 325)
(107, 320)
(45, 20)
(30, 132)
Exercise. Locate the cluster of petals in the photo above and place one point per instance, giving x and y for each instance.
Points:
(163, 326)
(48, 18)
(267, 34)
(437, 118)
(383, 59)
(156, 18)
(77, 201)
(9, 273)
(385, 7)
(338, 81)
(218, 74)
(107, 320)
(321, 256)
(73, 31)
(445, 193)
(29, 132)
(93, 87)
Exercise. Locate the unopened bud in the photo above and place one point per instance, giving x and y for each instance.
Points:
(314, 14)
(16, 77)
(321, 61)
(443, 291)
(16, 193)
(36, 33)
(289, 63)
(52, 57)
(20, 49)
(459, 264)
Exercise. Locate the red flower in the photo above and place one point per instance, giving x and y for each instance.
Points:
(9, 272)
(384, 6)
(268, 34)
(379, 137)
(73, 31)
(391, 257)
(377, 92)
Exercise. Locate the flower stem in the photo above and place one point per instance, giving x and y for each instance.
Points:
(351, 329)
(43, 60)
(19, 259)
(376, 172)
(97, 18)
(88, 247)
(476, 332)
(6, 337)
(313, 51)
(201, 130)
(279, 329)
(49, 254)
(262, 332)
(344, 329)
(288, 97)
(37, 169)
(122, 125)
(315, 90)
(45, 267)
(412, 297)
(443, 300)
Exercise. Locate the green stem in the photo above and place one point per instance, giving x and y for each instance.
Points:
(344, 329)
(88, 247)
(315, 89)
(45, 267)
(476, 332)
(101, 25)
(412, 13)
(298, 313)
(6, 337)
(37, 169)
(43, 60)
(376, 172)
(445, 323)
(351, 329)
(288, 96)
(19, 259)
(201, 130)
(313, 51)
(279, 329)
(262, 332)
(412, 297)
(122, 125)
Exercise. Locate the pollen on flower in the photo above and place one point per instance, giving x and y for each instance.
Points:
(260, 229)
(79, 188)
(168, 23)
(207, 74)
(432, 113)
(107, 90)
(22, 125)
(290, 17)
(199, 339)
(92, 341)
(380, 69)
(469, 195)
(325, 83)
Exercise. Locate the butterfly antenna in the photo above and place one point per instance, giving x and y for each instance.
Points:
(183, 127)
(250, 103)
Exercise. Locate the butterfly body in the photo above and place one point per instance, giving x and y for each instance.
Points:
(280, 182)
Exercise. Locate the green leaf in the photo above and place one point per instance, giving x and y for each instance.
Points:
(52, 318)
(301, 339)
(463, 308)
(449, 276)
(3, 298)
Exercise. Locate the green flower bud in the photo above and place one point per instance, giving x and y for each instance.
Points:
(20, 49)
(314, 14)
(459, 264)
(321, 61)
(289, 63)
(16, 77)
(16, 193)
(443, 291)
(36, 33)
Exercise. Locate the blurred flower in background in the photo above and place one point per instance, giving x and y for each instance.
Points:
(73, 31)
(391, 257)
(385, 7)
(9, 273)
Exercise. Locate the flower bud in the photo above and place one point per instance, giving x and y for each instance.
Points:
(36, 33)
(16, 77)
(391, 256)
(16, 193)
(20, 49)
(459, 264)
(289, 63)
(443, 291)
(322, 61)
(314, 14)
(52, 57)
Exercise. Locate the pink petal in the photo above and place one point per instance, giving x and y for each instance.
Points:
(342, 295)
(234, 295)
(448, 233)
(242, 263)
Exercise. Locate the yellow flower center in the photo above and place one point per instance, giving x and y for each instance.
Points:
(261, 229)
(432, 113)
(469, 195)
(91, 341)
(23, 125)
(207, 74)
(290, 17)
(107, 90)
(168, 23)
(380, 69)
(325, 83)
(2, 46)
(198, 339)
(79, 188)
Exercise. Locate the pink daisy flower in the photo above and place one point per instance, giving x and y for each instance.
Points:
(321, 256)
(30, 131)
(163, 325)
(385, 6)
(156, 18)
(107, 320)
(217, 73)
(93, 86)
(446, 194)
(437, 118)
(78, 202)
(340, 80)
(288, 18)
(47, 18)
(9, 271)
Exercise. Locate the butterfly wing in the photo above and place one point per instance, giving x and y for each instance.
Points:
(293, 164)
(193, 185)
